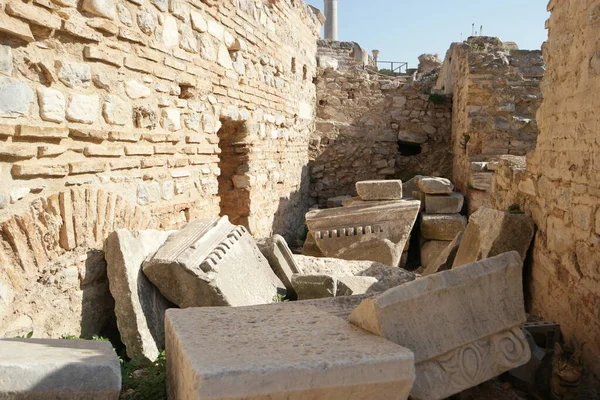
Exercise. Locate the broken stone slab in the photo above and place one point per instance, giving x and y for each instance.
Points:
(446, 258)
(354, 285)
(309, 287)
(387, 277)
(444, 204)
(376, 233)
(211, 262)
(411, 186)
(442, 226)
(58, 369)
(139, 305)
(431, 250)
(236, 353)
(310, 247)
(480, 307)
(357, 201)
(379, 190)
(431, 185)
(491, 232)
(281, 259)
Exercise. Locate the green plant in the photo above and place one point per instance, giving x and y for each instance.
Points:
(28, 336)
(144, 380)
(279, 298)
(438, 98)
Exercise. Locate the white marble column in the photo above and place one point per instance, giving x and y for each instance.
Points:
(331, 23)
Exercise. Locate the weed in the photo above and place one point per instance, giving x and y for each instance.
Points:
(465, 141)
(143, 380)
(438, 98)
(515, 209)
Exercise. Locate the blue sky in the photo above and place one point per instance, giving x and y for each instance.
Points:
(403, 30)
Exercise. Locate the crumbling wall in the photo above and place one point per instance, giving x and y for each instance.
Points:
(560, 185)
(496, 94)
(375, 127)
(112, 115)
(347, 55)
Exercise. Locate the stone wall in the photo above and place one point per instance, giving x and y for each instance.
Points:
(347, 55)
(375, 127)
(559, 186)
(141, 114)
(496, 94)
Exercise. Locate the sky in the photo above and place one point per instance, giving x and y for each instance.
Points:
(402, 30)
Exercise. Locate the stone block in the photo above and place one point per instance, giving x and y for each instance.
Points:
(235, 353)
(445, 259)
(211, 262)
(101, 8)
(481, 180)
(444, 204)
(375, 233)
(74, 75)
(52, 104)
(58, 369)
(354, 285)
(6, 60)
(431, 250)
(282, 261)
(491, 232)
(379, 190)
(386, 276)
(481, 308)
(341, 306)
(83, 108)
(14, 27)
(431, 185)
(442, 226)
(139, 306)
(15, 98)
(309, 287)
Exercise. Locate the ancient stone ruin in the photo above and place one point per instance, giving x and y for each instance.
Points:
(211, 184)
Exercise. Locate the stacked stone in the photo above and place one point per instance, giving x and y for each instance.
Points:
(441, 220)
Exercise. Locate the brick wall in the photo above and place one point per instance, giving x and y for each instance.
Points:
(560, 186)
(496, 94)
(120, 114)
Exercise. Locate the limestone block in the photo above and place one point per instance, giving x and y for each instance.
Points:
(354, 285)
(6, 60)
(376, 233)
(212, 263)
(444, 204)
(15, 98)
(101, 8)
(379, 190)
(442, 226)
(139, 306)
(198, 22)
(481, 180)
(309, 287)
(58, 369)
(327, 62)
(146, 20)
(412, 185)
(431, 250)
(171, 119)
(492, 232)
(160, 4)
(224, 58)
(170, 33)
(52, 104)
(386, 276)
(211, 356)
(412, 137)
(445, 259)
(83, 108)
(282, 261)
(431, 185)
(116, 111)
(136, 90)
(481, 309)
(73, 74)
(341, 306)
